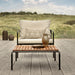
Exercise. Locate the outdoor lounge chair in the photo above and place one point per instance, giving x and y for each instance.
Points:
(31, 32)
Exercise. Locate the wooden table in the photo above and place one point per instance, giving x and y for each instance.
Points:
(29, 48)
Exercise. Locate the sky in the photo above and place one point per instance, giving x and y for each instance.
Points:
(66, 7)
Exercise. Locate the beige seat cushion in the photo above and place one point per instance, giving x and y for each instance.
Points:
(37, 28)
(33, 41)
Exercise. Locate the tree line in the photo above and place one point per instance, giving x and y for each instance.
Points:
(17, 13)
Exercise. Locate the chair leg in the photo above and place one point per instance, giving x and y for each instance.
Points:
(16, 56)
(54, 56)
(59, 61)
(11, 60)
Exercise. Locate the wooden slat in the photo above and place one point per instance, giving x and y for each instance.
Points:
(30, 48)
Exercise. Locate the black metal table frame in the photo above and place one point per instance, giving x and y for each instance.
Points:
(54, 56)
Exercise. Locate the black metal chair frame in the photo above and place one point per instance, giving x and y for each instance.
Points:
(52, 35)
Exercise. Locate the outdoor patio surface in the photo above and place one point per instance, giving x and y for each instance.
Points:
(38, 63)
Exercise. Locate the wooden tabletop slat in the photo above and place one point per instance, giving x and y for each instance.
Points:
(30, 48)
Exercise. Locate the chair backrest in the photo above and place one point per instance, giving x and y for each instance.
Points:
(34, 29)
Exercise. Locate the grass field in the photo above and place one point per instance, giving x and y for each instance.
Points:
(58, 24)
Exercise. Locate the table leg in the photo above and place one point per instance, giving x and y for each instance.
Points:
(11, 60)
(59, 61)
(16, 56)
(54, 56)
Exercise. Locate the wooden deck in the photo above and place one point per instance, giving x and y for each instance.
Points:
(38, 63)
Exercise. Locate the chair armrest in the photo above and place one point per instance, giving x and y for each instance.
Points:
(17, 36)
(52, 35)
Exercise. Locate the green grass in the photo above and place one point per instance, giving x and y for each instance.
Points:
(58, 24)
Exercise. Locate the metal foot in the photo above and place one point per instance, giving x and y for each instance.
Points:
(11, 60)
(59, 61)
(54, 56)
(16, 56)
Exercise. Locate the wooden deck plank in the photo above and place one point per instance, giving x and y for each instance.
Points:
(65, 67)
(5, 57)
(45, 69)
(35, 67)
(70, 55)
(23, 64)
(68, 66)
(53, 65)
(39, 63)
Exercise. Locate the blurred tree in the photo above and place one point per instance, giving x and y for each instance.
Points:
(35, 13)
